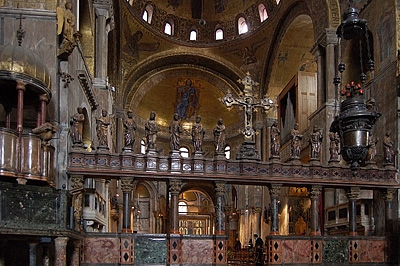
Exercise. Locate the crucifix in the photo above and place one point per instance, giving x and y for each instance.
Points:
(248, 103)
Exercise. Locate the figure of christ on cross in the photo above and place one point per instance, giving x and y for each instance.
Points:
(249, 103)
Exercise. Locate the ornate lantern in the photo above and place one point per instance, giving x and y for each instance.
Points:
(355, 119)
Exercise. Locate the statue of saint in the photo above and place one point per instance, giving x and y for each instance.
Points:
(198, 133)
(275, 139)
(295, 147)
(77, 126)
(219, 137)
(102, 128)
(315, 142)
(175, 130)
(151, 129)
(334, 146)
(130, 130)
(372, 141)
(388, 149)
(66, 25)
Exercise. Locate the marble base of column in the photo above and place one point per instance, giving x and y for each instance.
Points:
(220, 233)
(314, 161)
(126, 230)
(198, 154)
(103, 149)
(127, 150)
(315, 233)
(295, 160)
(21, 181)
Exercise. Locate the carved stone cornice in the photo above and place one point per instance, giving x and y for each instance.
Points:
(315, 192)
(127, 184)
(353, 193)
(175, 186)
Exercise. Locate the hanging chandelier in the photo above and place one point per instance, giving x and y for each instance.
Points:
(355, 120)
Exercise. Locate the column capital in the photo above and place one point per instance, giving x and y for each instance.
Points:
(175, 186)
(77, 182)
(389, 194)
(315, 192)
(126, 184)
(101, 9)
(275, 190)
(353, 193)
(220, 187)
(44, 98)
(61, 241)
(21, 85)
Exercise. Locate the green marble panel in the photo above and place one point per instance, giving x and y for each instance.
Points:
(335, 251)
(150, 250)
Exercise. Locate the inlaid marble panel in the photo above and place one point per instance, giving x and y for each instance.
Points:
(101, 250)
(296, 251)
(197, 251)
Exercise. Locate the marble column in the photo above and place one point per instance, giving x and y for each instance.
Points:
(75, 261)
(7, 110)
(61, 251)
(102, 14)
(352, 194)
(219, 216)
(257, 214)
(389, 211)
(174, 190)
(107, 205)
(127, 188)
(330, 63)
(32, 254)
(20, 105)
(314, 195)
(275, 191)
(44, 99)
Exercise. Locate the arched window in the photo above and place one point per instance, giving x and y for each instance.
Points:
(193, 35)
(142, 147)
(168, 28)
(242, 25)
(184, 152)
(278, 1)
(228, 152)
(148, 14)
(263, 12)
(219, 34)
(182, 207)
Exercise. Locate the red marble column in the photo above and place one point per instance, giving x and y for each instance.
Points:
(20, 105)
(61, 251)
(75, 259)
(314, 195)
(44, 99)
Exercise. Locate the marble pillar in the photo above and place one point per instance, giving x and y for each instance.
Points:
(174, 190)
(352, 194)
(102, 14)
(61, 251)
(389, 211)
(275, 191)
(32, 254)
(314, 195)
(220, 221)
(127, 188)
(75, 259)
